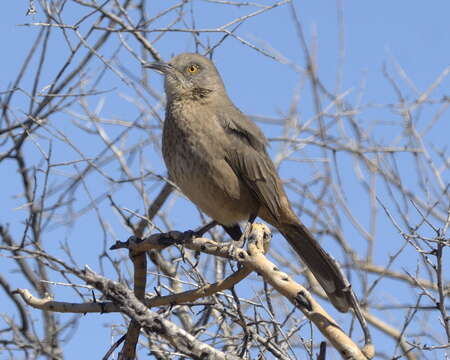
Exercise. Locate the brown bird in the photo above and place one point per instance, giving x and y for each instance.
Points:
(217, 156)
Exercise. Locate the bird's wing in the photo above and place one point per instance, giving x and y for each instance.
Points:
(236, 123)
(248, 158)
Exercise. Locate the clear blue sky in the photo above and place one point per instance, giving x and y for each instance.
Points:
(412, 35)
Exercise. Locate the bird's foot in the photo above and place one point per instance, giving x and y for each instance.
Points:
(240, 242)
(233, 249)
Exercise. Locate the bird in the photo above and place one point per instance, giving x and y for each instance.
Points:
(218, 157)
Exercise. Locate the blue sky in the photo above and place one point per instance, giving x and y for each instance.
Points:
(402, 36)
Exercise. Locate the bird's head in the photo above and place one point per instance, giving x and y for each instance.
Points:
(189, 75)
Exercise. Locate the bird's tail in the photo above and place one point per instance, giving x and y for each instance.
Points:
(321, 264)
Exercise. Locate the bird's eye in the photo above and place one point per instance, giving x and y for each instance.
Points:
(192, 68)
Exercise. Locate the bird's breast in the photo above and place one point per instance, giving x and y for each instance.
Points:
(191, 137)
(194, 146)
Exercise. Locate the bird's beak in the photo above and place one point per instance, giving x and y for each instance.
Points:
(161, 67)
(169, 71)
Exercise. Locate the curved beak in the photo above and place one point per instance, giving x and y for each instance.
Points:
(161, 67)
(170, 72)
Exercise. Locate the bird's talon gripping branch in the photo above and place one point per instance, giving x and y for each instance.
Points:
(232, 250)
(239, 243)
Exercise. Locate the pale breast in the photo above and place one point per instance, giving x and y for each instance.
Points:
(194, 155)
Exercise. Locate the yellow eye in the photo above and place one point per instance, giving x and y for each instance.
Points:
(192, 68)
